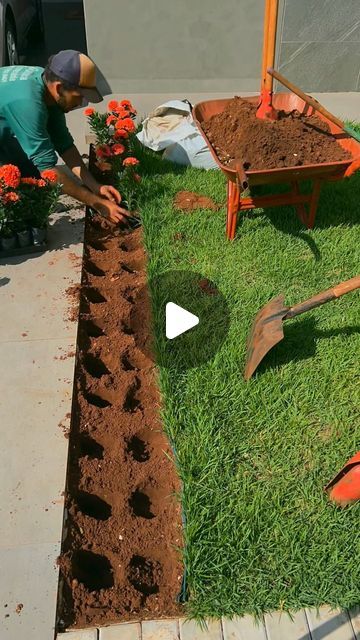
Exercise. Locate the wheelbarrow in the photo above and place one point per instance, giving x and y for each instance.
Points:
(305, 204)
(344, 489)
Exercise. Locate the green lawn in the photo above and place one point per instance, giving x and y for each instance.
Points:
(254, 457)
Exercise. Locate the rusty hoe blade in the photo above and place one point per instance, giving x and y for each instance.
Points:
(267, 329)
(266, 332)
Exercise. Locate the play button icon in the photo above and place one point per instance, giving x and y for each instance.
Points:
(178, 320)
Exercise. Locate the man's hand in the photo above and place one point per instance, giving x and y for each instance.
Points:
(110, 193)
(111, 210)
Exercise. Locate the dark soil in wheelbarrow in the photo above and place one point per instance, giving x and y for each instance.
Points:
(292, 140)
(120, 557)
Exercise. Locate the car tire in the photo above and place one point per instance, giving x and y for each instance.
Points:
(11, 50)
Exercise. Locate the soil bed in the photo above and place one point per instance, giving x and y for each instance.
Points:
(119, 559)
(292, 140)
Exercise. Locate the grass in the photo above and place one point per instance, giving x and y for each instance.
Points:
(254, 457)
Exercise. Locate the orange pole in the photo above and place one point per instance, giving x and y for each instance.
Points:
(265, 108)
(265, 44)
(273, 15)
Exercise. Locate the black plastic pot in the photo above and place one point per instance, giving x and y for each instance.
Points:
(39, 235)
(9, 243)
(24, 238)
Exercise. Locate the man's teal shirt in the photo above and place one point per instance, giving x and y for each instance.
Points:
(40, 129)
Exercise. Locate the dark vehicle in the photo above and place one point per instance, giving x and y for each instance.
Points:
(19, 20)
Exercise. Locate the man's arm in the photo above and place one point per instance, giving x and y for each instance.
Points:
(74, 161)
(105, 207)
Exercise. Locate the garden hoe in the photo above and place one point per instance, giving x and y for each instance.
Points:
(344, 489)
(267, 329)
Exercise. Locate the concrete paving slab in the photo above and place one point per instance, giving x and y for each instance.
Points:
(28, 595)
(160, 630)
(33, 303)
(355, 621)
(332, 624)
(36, 398)
(130, 631)
(279, 626)
(36, 378)
(191, 630)
(84, 634)
(244, 628)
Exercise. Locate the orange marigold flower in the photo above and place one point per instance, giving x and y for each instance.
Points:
(11, 196)
(121, 133)
(128, 125)
(49, 174)
(127, 105)
(41, 183)
(89, 111)
(118, 149)
(31, 181)
(130, 162)
(11, 175)
(121, 112)
(112, 105)
(103, 151)
(110, 119)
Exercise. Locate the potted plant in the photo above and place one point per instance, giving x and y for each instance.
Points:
(9, 204)
(39, 197)
(112, 156)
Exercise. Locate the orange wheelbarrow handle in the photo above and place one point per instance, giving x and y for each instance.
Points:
(344, 489)
(354, 166)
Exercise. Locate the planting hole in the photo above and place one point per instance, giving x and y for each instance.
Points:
(141, 505)
(92, 330)
(126, 329)
(144, 575)
(129, 297)
(91, 268)
(127, 269)
(91, 448)
(94, 296)
(126, 364)
(95, 366)
(93, 506)
(132, 403)
(94, 571)
(98, 246)
(97, 401)
(123, 247)
(138, 449)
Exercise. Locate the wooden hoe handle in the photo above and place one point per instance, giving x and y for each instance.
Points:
(325, 296)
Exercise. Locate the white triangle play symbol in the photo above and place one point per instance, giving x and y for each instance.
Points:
(178, 320)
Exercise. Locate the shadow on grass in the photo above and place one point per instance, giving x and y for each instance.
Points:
(338, 206)
(299, 343)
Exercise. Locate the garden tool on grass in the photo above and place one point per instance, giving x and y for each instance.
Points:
(344, 489)
(265, 109)
(267, 329)
(313, 103)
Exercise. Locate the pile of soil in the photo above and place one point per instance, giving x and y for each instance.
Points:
(123, 524)
(292, 140)
(189, 201)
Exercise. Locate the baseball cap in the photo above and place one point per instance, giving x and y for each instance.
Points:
(77, 69)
